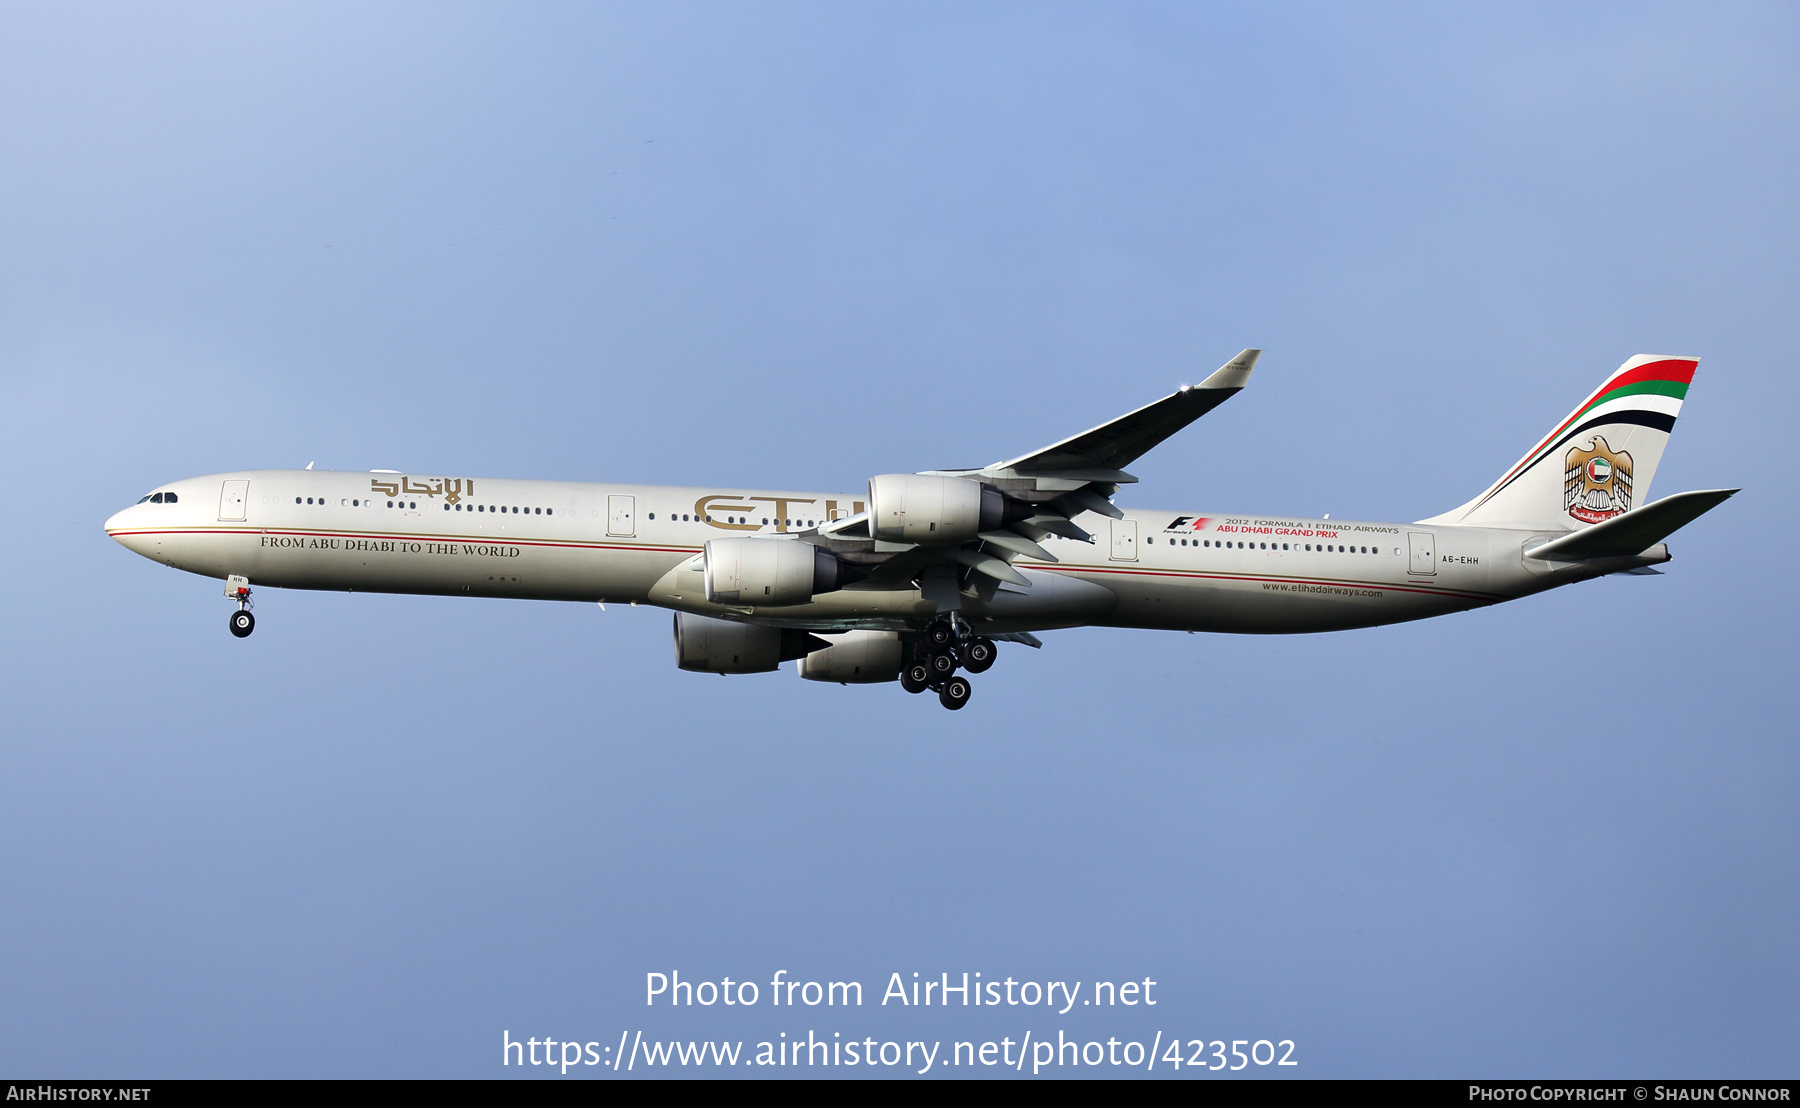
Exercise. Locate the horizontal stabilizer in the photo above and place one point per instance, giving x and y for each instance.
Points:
(1635, 531)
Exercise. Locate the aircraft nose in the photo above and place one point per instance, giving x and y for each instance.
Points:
(118, 525)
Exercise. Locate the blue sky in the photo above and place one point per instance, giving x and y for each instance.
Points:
(794, 245)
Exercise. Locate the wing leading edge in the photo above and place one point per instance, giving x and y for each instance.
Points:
(1101, 454)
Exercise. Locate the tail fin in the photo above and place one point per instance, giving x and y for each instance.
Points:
(1597, 463)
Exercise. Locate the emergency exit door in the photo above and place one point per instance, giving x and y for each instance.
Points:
(1124, 540)
(1424, 552)
(231, 500)
(621, 516)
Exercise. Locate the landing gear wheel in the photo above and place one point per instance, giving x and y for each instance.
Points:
(941, 634)
(955, 693)
(978, 654)
(943, 664)
(916, 678)
(242, 623)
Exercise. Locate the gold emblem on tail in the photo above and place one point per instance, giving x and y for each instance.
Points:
(1596, 482)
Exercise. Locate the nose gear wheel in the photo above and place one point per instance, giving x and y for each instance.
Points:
(242, 622)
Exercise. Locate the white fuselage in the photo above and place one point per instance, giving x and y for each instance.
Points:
(557, 540)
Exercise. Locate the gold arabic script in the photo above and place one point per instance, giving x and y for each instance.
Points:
(451, 489)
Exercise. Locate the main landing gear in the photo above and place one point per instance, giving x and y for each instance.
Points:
(242, 622)
(946, 646)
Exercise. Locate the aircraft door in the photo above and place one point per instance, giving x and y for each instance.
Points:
(621, 516)
(231, 500)
(1424, 552)
(1124, 540)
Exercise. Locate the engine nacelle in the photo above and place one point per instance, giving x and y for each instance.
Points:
(856, 658)
(769, 573)
(932, 511)
(707, 645)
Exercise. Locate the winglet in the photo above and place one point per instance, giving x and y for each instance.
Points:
(1234, 374)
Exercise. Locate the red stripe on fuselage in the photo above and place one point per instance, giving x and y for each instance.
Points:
(1411, 588)
(1172, 574)
(407, 537)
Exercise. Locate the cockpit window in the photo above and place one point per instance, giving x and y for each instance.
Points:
(169, 498)
(144, 499)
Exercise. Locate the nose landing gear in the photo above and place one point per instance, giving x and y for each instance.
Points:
(241, 622)
(946, 646)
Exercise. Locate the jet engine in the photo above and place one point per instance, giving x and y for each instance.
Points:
(770, 573)
(926, 510)
(856, 658)
(707, 645)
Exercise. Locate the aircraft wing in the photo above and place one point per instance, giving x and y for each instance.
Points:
(1043, 492)
(1103, 453)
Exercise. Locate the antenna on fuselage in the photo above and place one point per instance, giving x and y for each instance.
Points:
(309, 465)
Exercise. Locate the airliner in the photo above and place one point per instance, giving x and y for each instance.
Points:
(918, 577)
